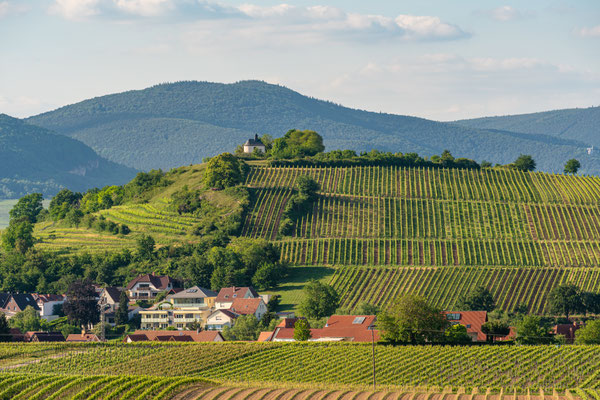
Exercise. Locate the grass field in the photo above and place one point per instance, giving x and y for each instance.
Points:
(5, 206)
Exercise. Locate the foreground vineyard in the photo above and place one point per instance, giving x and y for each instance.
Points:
(507, 367)
(388, 229)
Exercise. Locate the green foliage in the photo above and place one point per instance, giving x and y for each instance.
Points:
(245, 328)
(29, 207)
(565, 300)
(320, 300)
(122, 312)
(62, 203)
(223, 171)
(524, 163)
(74, 217)
(410, 319)
(302, 330)
(18, 236)
(479, 299)
(296, 144)
(4, 329)
(457, 334)
(532, 330)
(145, 247)
(572, 166)
(588, 334)
(28, 320)
(186, 200)
(495, 328)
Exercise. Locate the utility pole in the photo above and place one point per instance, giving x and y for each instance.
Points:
(373, 347)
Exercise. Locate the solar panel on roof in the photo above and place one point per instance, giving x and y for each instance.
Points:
(358, 320)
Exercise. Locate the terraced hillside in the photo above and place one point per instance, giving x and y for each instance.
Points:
(437, 232)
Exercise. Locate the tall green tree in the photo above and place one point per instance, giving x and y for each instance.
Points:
(302, 330)
(298, 144)
(145, 247)
(572, 166)
(565, 300)
(224, 170)
(63, 202)
(245, 328)
(411, 319)
(320, 300)
(524, 163)
(122, 313)
(531, 330)
(28, 207)
(4, 329)
(589, 334)
(18, 236)
(478, 299)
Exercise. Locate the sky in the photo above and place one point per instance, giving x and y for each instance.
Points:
(437, 59)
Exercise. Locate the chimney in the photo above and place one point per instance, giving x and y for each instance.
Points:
(256, 136)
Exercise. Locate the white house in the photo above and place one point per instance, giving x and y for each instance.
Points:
(255, 143)
(46, 303)
(220, 319)
(149, 285)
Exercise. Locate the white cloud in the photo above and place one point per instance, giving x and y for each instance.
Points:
(313, 20)
(504, 13)
(589, 32)
(10, 8)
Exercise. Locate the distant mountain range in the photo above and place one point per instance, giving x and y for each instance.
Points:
(581, 124)
(33, 159)
(175, 124)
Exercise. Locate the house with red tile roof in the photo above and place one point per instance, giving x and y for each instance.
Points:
(226, 296)
(567, 330)
(174, 336)
(472, 320)
(149, 285)
(339, 328)
(256, 307)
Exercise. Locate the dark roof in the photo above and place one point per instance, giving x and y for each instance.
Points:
(193, 292)
(45, 336)
(23, 300)
(113, 292)
(44, 298)
(159, 282)
(174, 336)
(3, 299)
(254, 142)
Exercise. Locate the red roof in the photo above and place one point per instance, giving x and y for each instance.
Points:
(44, 298)
(229, 294)
(288, 323)
(264, 336)
(159, 282)
(86, 337)
(472, 320)
(177, 336)
(353, 328)
(245, 306)
(337, 321)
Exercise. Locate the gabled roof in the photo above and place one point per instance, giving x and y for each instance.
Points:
(174, 336)
(86, 337)
(113, 293)
(245, 306)
(193, 293)
(3, 298)
(472, 320)
(254, 142)
(228, 313)
(45, 336)
(227, 295)
(23, 300)
(159, 282)
(347, 334)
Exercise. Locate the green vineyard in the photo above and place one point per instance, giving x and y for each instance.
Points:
(512, 368)
(383, 226)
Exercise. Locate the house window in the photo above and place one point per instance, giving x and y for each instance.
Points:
(218, 318)
(468, 325)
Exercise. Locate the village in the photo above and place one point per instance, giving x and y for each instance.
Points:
(167, 312)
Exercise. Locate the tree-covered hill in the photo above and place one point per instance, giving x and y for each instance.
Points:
(581, 124)
(176, 124)
(33, 159)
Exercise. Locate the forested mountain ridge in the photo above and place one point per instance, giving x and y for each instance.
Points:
(179, 123)
(581, 124)
(34, 159)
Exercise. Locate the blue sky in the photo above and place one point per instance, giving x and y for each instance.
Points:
(442, 59)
